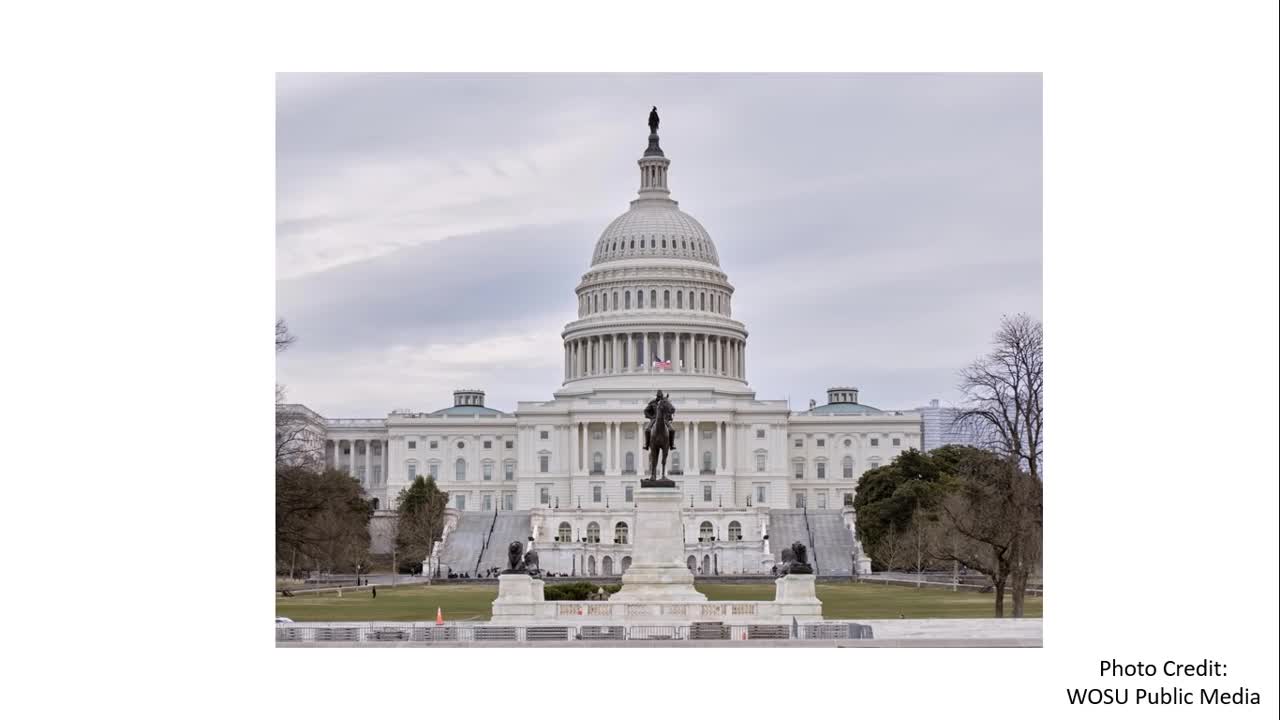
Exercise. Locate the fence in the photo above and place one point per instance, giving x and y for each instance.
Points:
(480, 633)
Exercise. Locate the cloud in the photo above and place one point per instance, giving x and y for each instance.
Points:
(875, 226)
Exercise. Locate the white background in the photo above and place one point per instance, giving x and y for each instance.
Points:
(136, 147)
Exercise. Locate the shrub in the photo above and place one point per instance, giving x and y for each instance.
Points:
(575, 590)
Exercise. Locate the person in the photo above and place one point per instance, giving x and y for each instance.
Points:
(373, 590)
(660, 406)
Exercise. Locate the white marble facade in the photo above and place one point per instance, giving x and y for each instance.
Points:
(655, 312)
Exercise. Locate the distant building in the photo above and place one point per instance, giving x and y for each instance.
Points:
(939, 427)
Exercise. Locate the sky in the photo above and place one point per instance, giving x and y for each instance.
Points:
(430, 228)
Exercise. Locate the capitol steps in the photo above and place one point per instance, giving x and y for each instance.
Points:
(822, 531)
(462, 547)
(508, 526)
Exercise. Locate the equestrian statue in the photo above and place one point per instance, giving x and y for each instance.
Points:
(659, 440)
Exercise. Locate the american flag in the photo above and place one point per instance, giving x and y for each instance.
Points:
(661, 364)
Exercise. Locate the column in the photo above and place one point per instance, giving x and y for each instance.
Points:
(368, 464)
(720, 445)
(743, 360)
(706, 354)
(697, 456)
(608, 448)
(688, 445)
(645, 354)
(573, 449)
(616, 346)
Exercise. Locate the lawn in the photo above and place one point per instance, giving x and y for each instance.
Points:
(840, 600)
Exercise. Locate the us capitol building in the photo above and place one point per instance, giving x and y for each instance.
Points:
(655, 310)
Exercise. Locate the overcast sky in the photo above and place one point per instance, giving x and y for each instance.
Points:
(431, 228)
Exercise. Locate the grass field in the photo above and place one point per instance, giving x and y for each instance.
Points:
(840, 600)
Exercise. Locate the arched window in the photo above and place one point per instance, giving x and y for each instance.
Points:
(597, 463)
(706, 461)
(633, 243)
(653, 298)
(591, 565)
(620, 534)
(666, 298)
(664, 242)
(692, 562)
(605, 301)
(640, 298)
(679, 300)
(675, 462)
(702, 301)
(460, 470)
(706, 531)
(595, 303)
(606, 566)
(593, 532)
(626, 299)
(735, 530)
(626, 563)
(615, 299)
(762, 460)
(564, 533)
(629, 463)
(847, 466)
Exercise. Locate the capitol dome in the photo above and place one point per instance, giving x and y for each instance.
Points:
(655, 301)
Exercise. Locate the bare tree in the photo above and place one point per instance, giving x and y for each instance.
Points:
(1004, 407)
(891, 548)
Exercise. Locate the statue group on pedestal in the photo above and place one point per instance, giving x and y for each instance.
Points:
(521, 562)
(795, 560)
(659, 440)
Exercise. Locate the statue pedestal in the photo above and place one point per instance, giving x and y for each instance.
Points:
(797, 596)
(519, 595)
(657, 572)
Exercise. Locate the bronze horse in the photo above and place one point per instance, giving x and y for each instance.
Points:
(660, 445)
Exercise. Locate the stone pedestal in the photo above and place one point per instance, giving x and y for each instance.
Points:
(657, 572)
(518, 597)
(797, 596)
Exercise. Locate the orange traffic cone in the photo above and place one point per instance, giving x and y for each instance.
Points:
(439, 617)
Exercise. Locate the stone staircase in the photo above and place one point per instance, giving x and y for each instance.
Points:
(480, 540)
(830, 543)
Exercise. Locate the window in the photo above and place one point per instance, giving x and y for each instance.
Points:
(847, 442)
(413, 471)
(597, 435)
(666, 298)
(630, 435)
(762, 493)
(706, 492)
(597, 463)
(487, 502)
(615, 300)
(488, 472)
(706, 434)
(822, 471)
(593, 532)
(461, 444)
(822, 442)
(434, 444)
(873, 464)
(675, 462)
(653, 298)
(679, 300)
(629, 465)
(848, 499)
(460, 501)
(822, 499)
(597, 494)
(565, 533)
(706, 461)
(799, 442)
(799, 470)
(434, 470)
(510, 444)
(760, 434)
(799, 500)
(628, 493)
(761, 459)
(543, 434)
(620, 535)
(847, 465)
(544, 496)
(508, 501)
(875, 442)
(626, 298)
(544, 463)
(706, 532)
(735, 530)
(346, 451)
(413, 444)
(488, 444)
(897, 442)
(460, 470)
(509, 472)
(640, 297)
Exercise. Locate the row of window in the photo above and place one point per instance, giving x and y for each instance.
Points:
(715, 302)
(821, 442)
(621, 533)
(801, 499)
(460, 470)
(656, 243)
(486, 501)
(461, 445)
(846, 468)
